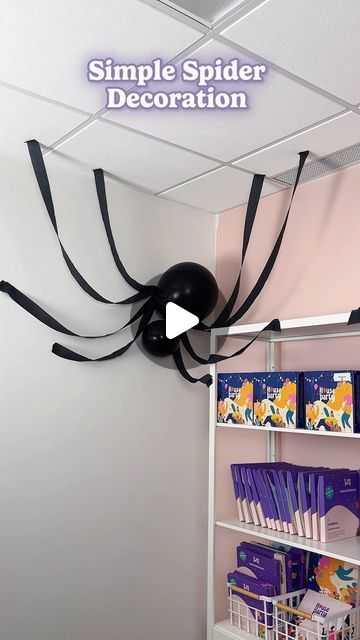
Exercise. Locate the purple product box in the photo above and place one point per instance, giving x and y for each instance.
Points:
(276, 554)
(235, 398)
(305, 502)
(278, 496)
(258, 609)
(256, 497)
(256, 565)
(338, 500)
(259, 482)
(295, 566)
(245, 507)
(273, 506)
(290, 518)
(236, 491)
(249, 495)
(292, 479)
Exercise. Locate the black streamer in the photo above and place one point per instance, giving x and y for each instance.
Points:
(68, 354)
(224, 315)
(272, 258)
(254, 197)
(45, 318)
(101, 194)
(38, 164)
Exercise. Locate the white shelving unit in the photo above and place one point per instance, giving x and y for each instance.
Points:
(312, 328)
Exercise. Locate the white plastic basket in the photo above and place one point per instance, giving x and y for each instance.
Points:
(257, 620)
(286, 615)
(277, 618)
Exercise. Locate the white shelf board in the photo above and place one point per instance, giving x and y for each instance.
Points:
(244, 427)
(296, 328)
(224, 630)
(348, 550)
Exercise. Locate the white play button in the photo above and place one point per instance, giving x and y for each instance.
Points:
(178, 320)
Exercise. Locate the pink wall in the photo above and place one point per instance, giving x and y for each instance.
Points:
(317, 272)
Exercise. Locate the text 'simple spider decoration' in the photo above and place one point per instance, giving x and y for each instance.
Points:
(188, 284)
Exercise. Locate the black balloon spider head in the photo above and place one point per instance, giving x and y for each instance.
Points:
(187, 284)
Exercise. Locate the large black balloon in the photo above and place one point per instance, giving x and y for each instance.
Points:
(191, 286)
(155, 341)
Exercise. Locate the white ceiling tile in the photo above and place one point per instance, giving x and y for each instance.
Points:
(218, 190)
(343, 131)
(45, 46)
(277, 107)
(316, 39)
(137, 160)
(23, 118)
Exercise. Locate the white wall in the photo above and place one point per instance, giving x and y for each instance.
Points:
(103, 467)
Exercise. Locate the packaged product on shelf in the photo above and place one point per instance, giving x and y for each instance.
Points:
(256, 495)
(335, 578)
(235, 398)
(290, 518)
(237, 493)
(338, 498)
(272, 502)
(315, 524)
(295, 566)
(275, 554)
(321, 607)
(305, 502)
(243, 495)
(251, 614)
(278, 399)
(259, 481)
(250, 496)
(291, 479)
(253, 562)
(332, 400)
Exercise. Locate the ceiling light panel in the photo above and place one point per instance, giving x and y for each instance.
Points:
(207, 11)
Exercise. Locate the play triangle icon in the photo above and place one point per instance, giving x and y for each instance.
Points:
(178, 320)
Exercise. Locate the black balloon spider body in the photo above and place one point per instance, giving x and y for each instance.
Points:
(188, 284)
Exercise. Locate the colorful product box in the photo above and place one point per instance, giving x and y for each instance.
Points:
(278, 399)
(335, 578)
(235, 398)
(332, 400)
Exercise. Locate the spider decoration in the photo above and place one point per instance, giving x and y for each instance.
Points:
(188, 284)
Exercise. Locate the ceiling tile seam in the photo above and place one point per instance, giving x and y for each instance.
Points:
(150, 136)
(38, 96)
(143, 134)
(185, 204)
(299, 132)
(241, 204)
(51, 148)
(188, 181)
(209, 172)
(288, 74)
